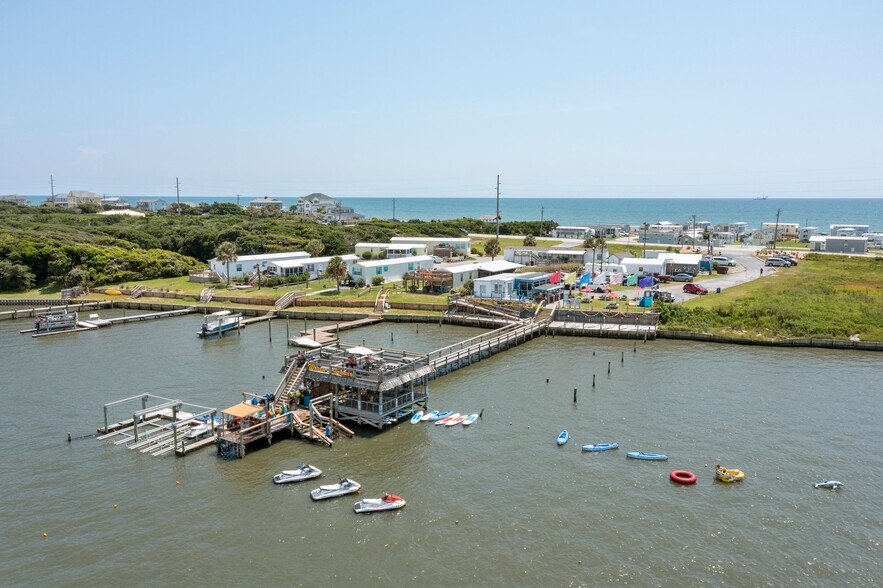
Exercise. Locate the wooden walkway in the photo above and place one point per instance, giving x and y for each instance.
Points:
(32, 312)
(328, 334)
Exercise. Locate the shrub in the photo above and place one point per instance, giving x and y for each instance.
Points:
(377, 280)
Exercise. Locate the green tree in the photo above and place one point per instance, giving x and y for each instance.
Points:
(492, 248)
(529, 241)
(336, 269)
(315, 248)
(15, 276)
(225, 253)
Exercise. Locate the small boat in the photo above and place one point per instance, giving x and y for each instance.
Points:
(430, 416)
(832, 484)
(303, 472)
(345, 486)
(198, 431)
(470, 419)
(729, 475)
(600, 446)
(456, 421)
(647, 456)
(418, 416)
(563, 437)
(440, 415)
(55, 322)
(388, 502)
(447, 419)
(218, 323)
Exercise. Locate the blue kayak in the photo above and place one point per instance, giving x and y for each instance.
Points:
(648, 456)
(441, 415)
(563, 437)
(600, 446)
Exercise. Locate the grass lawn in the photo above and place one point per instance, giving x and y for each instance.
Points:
(824, 296)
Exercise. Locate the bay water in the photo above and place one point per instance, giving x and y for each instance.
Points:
(495, 504)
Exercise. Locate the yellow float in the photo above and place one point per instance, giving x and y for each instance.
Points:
(112, 292)
(730, 475)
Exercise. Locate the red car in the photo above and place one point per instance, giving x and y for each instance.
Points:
(691, 288)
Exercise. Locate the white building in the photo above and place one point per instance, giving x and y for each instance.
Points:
(497, 266)
(571, 232)
(785, 230)
(150, 204)
(643, 266)
(546, 255)
(834, 244)
(265, 202)
(78, 197)
(804, 233)
(314, 266)
(458, 246)
(461, 273)
(315, 204)
(16, 199)
(391, 250)
(499, 286)
(245, 264)
(848, 230)
(391, 270)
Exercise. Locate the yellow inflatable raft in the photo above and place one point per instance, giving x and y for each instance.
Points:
(730, 475)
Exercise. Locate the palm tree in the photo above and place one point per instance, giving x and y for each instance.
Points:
(492, 248)
(315, 247)
(336, 269)
(529, 241)
(225, 253)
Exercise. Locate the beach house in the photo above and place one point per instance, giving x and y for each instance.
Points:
(440, 246)
(247, 264)
(391, 270)
(313, 266)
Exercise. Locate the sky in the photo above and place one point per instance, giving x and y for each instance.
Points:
(430, 99)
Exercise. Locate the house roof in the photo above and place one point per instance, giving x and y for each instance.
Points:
(508, 277)
(123, 212)
(498, 265)
(242, 409)
(394, 261)
(308, 260)
(459, 269)
(269, 256)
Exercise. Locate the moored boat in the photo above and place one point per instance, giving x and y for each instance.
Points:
(303, 472)
(647, 456)
(563, 437)
(55, 322)
(219, 322)
(197, 431)
(388, 502)
(600, 446)
(832, 484)
(342, 488)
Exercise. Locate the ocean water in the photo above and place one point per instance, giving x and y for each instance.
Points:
(497, 504)
(814, 212)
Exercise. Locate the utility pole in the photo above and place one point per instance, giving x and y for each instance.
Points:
(178, 192)
(393, 209)
(645, 227)
(542, 210)
(52, 188)
(694, 231)
(498, 209)
(776, 230)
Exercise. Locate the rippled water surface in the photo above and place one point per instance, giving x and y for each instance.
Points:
(497, 504)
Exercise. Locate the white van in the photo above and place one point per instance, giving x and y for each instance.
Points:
(724, 260)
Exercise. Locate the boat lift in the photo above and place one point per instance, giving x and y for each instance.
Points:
(162, 428)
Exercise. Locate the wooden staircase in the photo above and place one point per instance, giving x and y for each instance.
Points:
(285, 300)
(206, 295)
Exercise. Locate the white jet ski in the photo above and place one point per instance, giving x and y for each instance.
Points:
(345, 486)
(303, 472)
(832, 484)
(388, 502)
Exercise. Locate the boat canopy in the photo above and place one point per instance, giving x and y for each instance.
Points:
(242, 409)
(359, 350)
(220, 313)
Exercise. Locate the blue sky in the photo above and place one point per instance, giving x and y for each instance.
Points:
(571, 99)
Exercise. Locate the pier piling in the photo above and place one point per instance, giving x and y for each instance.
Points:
(593, 380)
(574, 395)
(608, 368)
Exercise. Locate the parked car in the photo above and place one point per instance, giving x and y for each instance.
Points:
(663, 296)
(777, 262)
(682, 278)
(724, 260)
(695, 289)
(662, 278)
(786, 257)
(437, 259)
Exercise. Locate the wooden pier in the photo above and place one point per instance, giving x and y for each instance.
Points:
(329, 333)
(72, 307)
(88, 325)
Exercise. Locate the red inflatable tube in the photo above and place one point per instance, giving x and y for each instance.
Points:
(682, 477)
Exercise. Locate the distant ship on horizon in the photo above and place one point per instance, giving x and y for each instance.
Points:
(761, 198)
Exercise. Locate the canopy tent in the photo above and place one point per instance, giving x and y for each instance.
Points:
(631, 280)
(359, 350)
(646, 282)
(242, 410)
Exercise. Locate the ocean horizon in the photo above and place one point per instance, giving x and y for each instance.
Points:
(810, 211)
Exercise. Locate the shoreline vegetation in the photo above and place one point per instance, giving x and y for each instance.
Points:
(44, 250)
